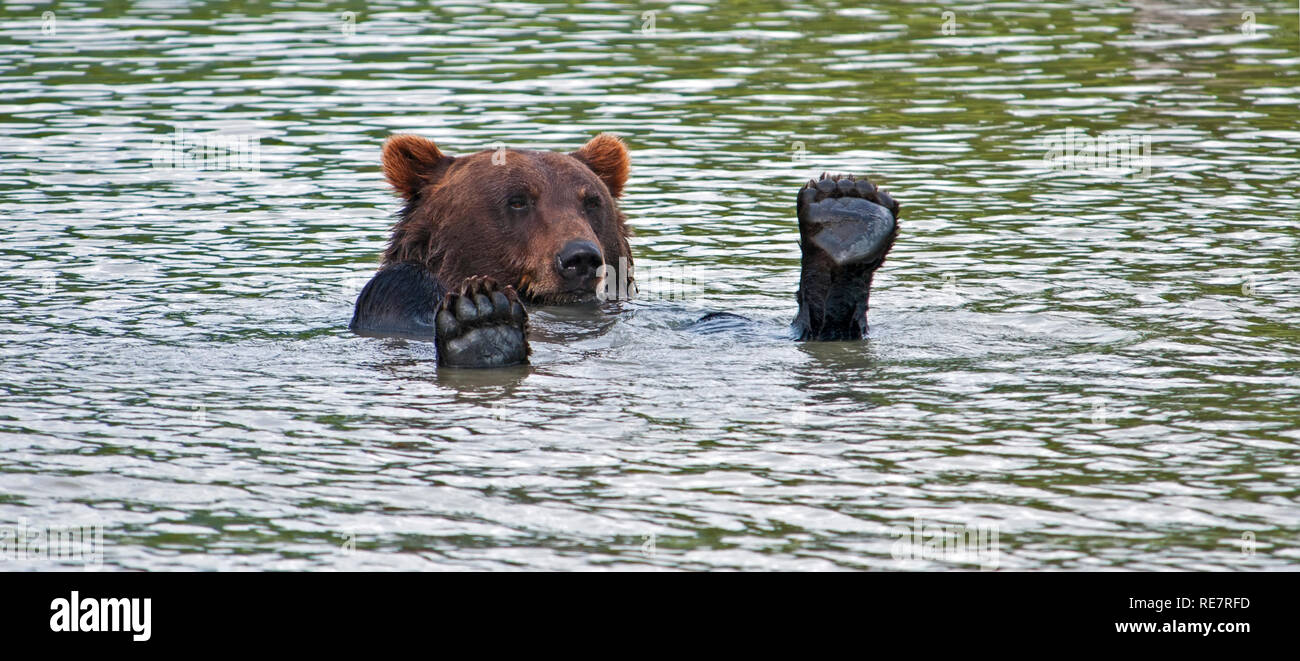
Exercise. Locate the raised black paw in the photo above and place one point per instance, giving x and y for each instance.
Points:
(848, 219)
(846, 227)
(481, 325)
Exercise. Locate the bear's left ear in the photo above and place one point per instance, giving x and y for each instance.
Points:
(411, 162)
(607, 157)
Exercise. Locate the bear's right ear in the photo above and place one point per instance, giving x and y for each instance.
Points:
(411, 162)
(606, 155)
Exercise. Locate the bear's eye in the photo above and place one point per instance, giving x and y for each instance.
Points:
(591, 202)
(518, 202)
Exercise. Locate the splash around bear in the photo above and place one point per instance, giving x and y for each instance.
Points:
(482, 235)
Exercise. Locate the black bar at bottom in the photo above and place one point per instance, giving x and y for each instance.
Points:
(192, 612)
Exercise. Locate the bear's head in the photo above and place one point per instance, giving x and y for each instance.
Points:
(544, 222)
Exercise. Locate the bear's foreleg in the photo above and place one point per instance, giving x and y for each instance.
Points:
(481, 324)
(846, 227)
(400, 300)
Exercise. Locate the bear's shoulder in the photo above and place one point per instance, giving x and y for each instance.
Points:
(402, 298)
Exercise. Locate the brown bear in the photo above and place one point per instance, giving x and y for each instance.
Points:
(481, 234)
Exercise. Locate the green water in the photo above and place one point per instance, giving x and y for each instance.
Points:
(1102, 366)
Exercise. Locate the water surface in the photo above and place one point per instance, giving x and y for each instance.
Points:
(1105, 368)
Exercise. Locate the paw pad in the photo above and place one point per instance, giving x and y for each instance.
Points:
(847, 219)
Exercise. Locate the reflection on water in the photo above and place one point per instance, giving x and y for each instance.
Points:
(1105, 368)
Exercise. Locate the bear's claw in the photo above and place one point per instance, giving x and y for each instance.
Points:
(482, 325)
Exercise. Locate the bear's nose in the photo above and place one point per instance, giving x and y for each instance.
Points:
(579, 263)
